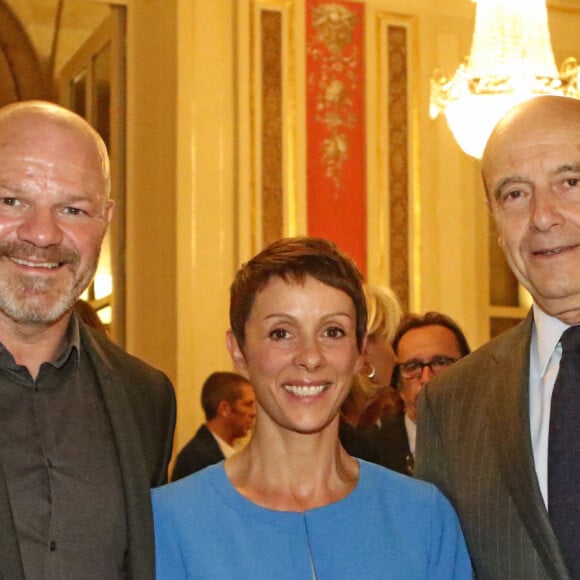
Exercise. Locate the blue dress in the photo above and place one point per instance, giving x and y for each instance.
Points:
(389, 526)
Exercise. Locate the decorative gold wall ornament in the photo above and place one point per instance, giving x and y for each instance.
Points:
(335, 82)
(334, 24)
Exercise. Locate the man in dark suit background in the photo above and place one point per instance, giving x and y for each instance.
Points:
(229, 405)
(485, 426)
(425, 345)
(85, 429)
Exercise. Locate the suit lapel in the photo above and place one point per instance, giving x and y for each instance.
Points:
(214, 452)
(508, 412)
(131, 460)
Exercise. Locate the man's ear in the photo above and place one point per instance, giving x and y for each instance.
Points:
(224, 409)
(109, 210)
(237, 354)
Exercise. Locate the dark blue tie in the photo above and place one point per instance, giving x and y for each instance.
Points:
(564, 452)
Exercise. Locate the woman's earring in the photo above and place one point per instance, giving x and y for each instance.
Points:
(373, 372)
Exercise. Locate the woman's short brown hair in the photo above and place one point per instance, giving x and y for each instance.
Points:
(293, 259)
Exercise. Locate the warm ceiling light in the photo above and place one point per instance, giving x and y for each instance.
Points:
(511, 61)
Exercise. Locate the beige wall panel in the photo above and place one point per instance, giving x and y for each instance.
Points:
(392, 185)
(454, 261)
(447, 216)
(151, 182)
(205, 199)
(254, 110)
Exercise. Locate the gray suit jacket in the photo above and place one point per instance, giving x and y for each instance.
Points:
(474, 443)
(141, 405)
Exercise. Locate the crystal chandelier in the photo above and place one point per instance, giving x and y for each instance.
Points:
(511, 60)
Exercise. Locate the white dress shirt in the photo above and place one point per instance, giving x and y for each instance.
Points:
(226, 449)
(411, 428)
(545, 355)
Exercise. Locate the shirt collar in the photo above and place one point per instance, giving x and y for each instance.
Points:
(72, 344)
(226, 449)
(547, 333)
(411, 427)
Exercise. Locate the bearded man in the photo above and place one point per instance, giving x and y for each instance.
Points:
(85, 429)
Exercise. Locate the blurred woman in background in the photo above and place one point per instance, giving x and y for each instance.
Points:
(372, 395)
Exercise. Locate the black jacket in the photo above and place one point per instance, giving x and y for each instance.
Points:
(140, 402)
(201, 451)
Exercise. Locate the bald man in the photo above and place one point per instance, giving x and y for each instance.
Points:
(484, 424)
(85, 429)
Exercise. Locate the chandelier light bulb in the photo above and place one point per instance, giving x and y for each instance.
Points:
(511, 60)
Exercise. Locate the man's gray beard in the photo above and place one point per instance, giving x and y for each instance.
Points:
(26, 301)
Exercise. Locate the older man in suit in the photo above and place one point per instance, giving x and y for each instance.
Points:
(85, 429)
(487, 427)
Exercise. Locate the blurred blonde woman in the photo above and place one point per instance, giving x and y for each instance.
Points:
(372, 395)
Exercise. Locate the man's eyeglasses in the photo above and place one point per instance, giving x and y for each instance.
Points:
(414, 368)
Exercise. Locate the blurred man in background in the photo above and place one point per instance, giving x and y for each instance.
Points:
(229, 405)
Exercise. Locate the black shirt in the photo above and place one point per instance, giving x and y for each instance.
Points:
(62, 471)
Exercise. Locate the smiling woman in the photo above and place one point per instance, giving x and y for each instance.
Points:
(293, 503)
